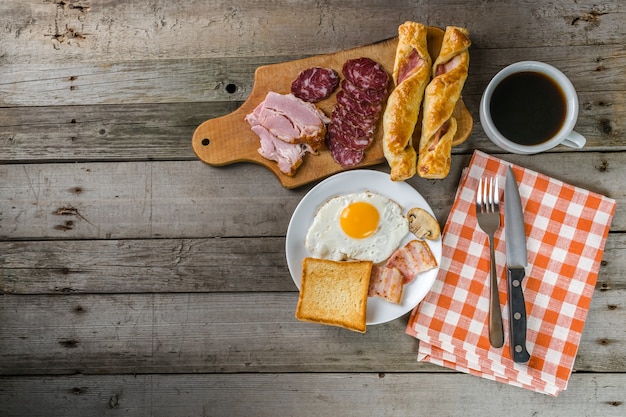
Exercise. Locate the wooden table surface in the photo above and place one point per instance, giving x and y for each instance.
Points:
(137, 280)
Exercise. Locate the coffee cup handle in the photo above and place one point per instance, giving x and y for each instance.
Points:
(574, 140)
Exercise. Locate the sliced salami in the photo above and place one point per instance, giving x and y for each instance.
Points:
(350, 136)
(360, 94)
(370, 113)
(365, 123)
(357, 111)
(315, 84)
(366, 73)
(344, 156)
(361, 108)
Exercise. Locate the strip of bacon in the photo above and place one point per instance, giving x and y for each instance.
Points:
(413, 258)
(386, 283)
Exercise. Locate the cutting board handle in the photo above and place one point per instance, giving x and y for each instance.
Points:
(223, 140)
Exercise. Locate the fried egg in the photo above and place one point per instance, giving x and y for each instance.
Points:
(359, 226)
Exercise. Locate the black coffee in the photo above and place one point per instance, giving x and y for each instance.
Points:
(528, 107)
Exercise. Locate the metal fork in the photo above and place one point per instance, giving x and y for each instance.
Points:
(488, 216)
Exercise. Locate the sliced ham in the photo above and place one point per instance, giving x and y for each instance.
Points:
(409, 66)
(287, 155)
(290, 119)
(386, 283)
(287, 127)
(413, 258)
(448, 66)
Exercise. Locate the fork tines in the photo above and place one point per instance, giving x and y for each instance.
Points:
(487, 195)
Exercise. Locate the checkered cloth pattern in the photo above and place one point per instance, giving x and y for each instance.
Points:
(566, 230)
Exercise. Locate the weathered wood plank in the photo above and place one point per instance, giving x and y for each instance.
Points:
(163, 131)
(141, 266)
(104, 132)
(155, 81)
(190, 199)
(249, 332)
(181, 265)
(73, 30)
(121, 200)
(397, 395)
(201, 80)
(231, 332)
(167, 280)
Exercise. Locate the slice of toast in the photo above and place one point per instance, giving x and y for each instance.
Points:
(334, 293)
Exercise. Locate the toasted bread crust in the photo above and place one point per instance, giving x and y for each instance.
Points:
(334, 293)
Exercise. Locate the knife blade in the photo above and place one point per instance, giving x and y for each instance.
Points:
(516, 260)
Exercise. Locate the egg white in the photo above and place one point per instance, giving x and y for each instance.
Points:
(326, 239)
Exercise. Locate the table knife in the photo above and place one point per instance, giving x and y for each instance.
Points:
(516, 260)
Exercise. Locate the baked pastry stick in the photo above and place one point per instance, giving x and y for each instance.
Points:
(442, 93)
(411, 73)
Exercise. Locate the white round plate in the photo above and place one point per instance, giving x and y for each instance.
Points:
(378, 310)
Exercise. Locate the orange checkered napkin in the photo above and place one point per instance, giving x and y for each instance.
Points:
(566, 229)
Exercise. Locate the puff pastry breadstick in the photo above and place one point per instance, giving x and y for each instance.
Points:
(411, 73)
(442, 93)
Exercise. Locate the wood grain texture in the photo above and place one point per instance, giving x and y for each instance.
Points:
(58, 31)
(174, 265)
(136, 279)
(200, 80)
(230, 332)
(296, 394)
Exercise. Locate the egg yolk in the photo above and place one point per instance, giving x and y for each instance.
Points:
(359, 220)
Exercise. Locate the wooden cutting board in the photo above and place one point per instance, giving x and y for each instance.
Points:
(228, 139)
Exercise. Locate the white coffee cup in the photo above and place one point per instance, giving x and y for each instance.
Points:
(564, 136)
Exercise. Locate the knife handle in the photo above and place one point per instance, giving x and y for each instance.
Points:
(517, 315)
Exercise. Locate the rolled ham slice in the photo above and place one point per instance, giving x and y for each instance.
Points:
(439, 126)
(411, 72)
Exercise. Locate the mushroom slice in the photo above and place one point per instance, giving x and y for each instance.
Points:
(422, 224)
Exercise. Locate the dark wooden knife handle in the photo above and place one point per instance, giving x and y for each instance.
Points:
(517, 315)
